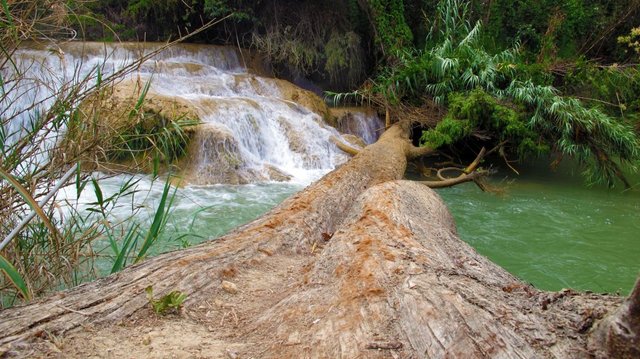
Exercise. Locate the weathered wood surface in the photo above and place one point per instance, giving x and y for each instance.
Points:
(359, 265)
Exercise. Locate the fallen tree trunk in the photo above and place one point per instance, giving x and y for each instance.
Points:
(358, 265)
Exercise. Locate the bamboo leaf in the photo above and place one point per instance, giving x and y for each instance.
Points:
(141, 98)
(29, 200)
(98, 193)
(80, 183)
(129, 242)
(157, 225)
(15, 278)
(98, 77)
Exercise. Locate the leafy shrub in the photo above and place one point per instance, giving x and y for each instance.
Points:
(495, 90)
(479, 112)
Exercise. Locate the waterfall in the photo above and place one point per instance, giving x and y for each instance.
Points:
(362, 122)
(262, 131)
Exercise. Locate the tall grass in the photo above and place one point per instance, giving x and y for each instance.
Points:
(55, 249)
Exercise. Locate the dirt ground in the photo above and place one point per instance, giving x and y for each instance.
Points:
(205, 327)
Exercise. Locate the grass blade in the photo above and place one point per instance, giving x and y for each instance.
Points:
(15, 278)
(128, 244)
(158, 223)
(29, 200)
(5, 8)
(98, 192)
(143, 95)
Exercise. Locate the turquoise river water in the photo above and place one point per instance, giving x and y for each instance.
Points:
(547, 228)
(551, 230)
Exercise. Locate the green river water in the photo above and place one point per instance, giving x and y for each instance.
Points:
(549, 229)
(552, 231)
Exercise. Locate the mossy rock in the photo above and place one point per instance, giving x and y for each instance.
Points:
(110, 131)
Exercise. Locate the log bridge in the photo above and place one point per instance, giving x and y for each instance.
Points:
(361, 264)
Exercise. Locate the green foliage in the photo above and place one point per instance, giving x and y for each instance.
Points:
(615, 88)
(344, 55)
(7, 14)
(597, 140)
(495, 94)
(297, 47)
(146, 136)
(632, 41)
(239, 10)
(563, 28)
(313, 39)
(138, 19)
(151, 138)
(159, 222)
(15, 278)
(126, 244)
(479, 112)
(392, 32)
(447, 132)
(455, 62)
(169, 303)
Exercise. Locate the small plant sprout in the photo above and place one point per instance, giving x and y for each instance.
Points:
(170, 303)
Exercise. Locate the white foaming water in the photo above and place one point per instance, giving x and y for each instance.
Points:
(367, 126)
(267, 130)
(271, 131)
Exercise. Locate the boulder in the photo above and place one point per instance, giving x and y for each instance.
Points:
(214, 157)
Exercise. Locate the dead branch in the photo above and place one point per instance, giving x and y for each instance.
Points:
(351, 150)
(468, 174)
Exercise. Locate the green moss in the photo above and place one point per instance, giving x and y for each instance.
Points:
(343, 53)
(392, 32)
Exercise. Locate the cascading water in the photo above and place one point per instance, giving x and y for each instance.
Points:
(255, 130)
(268, 132)
(360, 122)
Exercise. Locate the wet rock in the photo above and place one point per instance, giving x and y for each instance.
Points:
(298, 97)
(214, 158)
(294, 137)
(362, 122)
(275, 174)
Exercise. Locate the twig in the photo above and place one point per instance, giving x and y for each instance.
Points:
(470, 173)
(384, 345)
(44, 201)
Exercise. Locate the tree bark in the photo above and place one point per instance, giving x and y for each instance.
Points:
(618, 335)
(358, 265)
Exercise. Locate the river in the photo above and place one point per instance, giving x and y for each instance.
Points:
(547, 228)
(551, 230)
